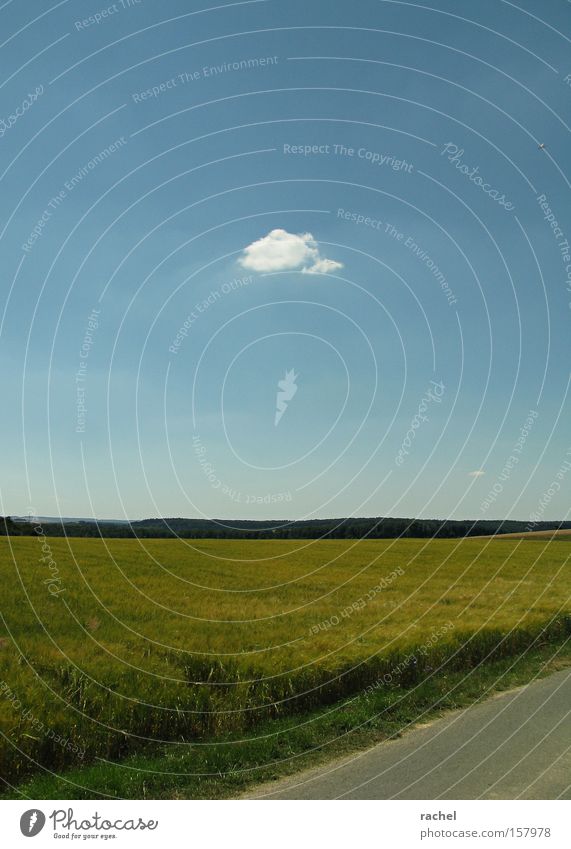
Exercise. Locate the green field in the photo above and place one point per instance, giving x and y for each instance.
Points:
(112, 648)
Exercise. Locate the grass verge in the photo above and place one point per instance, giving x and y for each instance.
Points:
(229, 765)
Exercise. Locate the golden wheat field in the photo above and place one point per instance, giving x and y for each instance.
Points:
(108, 643)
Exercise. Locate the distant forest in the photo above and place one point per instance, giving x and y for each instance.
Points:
(380, 528)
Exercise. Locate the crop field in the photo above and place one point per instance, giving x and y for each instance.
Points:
(561, 534)
(109, 645)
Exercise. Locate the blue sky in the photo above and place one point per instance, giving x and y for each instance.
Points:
(395, 145)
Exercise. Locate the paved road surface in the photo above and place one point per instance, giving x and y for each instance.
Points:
(515, 745)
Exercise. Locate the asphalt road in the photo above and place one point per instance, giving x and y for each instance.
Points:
(516, 745)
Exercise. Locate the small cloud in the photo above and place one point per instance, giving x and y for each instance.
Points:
(283, 251)
(477, 473)
(323, 266)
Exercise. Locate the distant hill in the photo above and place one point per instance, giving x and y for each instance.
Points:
(8, 527)
(50, 520)
(344, 528)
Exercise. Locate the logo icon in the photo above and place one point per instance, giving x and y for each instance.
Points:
(32, 822)
(287, 389)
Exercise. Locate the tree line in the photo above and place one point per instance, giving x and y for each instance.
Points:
(346, 528)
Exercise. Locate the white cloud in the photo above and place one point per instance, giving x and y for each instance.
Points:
(477, 473)
(323, 266)
(283, 251)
